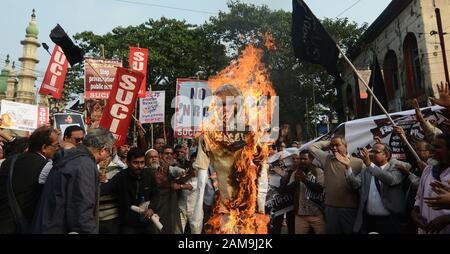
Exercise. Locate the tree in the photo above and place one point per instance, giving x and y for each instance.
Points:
(293, 81)
(176, 50)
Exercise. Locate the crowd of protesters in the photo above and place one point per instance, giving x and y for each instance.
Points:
(77, 182)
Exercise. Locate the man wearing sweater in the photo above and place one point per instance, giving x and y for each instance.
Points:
(341, 201)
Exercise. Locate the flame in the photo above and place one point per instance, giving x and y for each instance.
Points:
(269, 41)
(248, 74)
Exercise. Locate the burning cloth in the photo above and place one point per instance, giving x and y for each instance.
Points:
(240, 115)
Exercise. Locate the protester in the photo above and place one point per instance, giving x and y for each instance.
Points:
(187, 198)
(185, 148)
(108, 212)
(122, 153)
(307, 184)
(73, 136)
(296, 144)
(271, 150)
(428, 129)
(159, 144)
(427, 219)
(133, 186)
(69, 203)
(168, 190)
(285, 137)
(152, 159)
(141, 139)
(444, 97)
(282, 173)
(411, 184)
(382, 197)
(17, 145)
(442, 200)
(20, 193)
(341, 202)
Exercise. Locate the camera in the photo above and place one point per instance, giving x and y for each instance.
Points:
(359, 152)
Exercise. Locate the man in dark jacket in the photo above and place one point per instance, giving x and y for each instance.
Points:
(69, 203)
(133, 186)
(43, 143)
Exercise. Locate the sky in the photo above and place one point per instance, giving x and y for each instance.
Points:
(101, 16)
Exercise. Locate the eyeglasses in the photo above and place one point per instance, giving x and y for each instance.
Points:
(78, 140)
(168, 153)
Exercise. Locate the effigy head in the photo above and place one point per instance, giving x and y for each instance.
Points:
(228, 90)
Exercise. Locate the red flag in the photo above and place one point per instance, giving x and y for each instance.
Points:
(137, 60)
(55, 75)
(122, 99)
(43, 114)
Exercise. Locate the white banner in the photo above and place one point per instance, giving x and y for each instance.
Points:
(361, 132)
(192, 102)
(151, 108)
(23, 117)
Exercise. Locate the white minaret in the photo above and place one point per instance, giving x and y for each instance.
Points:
(26, 92)
(11, 83)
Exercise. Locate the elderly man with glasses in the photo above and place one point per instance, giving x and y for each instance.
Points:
(69, 203)
(382, 202)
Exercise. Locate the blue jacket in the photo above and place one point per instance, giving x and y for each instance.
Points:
(69, 201)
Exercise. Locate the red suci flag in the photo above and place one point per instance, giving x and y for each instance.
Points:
(55, 75)
(137, 60)
(122, 99)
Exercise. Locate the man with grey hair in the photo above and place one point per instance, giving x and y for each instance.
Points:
(152, 159)
(382, 197)
(69, 202)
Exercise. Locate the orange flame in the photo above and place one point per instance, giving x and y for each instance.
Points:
(248, 74)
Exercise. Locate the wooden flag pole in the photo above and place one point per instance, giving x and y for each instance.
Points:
(134, 125)
(142, 128)
(164, 129)
(403, 137)
(151, 136)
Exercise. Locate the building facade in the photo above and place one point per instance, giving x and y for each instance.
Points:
(406, 41)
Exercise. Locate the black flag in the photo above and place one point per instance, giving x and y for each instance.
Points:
(376, 83)
(72, 52)
(311, 41)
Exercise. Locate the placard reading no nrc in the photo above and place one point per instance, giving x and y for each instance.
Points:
(191, 106)
(151, 108)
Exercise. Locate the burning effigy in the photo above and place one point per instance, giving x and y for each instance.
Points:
(230, 141)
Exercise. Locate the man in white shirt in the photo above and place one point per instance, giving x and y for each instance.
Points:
(382, 198)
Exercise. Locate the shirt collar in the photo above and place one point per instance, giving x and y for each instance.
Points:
(42, 155)
(384, 166)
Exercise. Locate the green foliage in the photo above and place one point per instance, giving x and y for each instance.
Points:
(293, 81)
(178, 49)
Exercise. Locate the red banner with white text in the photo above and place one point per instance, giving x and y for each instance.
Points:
(55, 75)
(122, 99)
(99, 77)
(137, 60)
